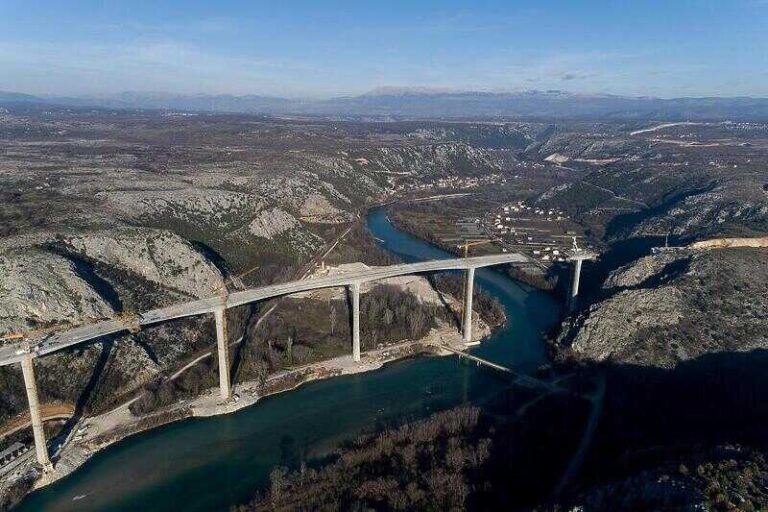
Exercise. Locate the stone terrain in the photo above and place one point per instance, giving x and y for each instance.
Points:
(107, 213)
(675, 180)
(690, 182)
(725, 478)
(40, 288)
(677, 305)
(112, 214)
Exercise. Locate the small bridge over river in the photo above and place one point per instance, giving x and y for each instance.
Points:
(24, 353)
(519, 379)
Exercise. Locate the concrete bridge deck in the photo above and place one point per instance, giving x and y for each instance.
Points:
(26, 351)
(85, 333)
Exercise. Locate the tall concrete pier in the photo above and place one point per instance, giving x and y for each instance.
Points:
(12, 353)
(223, 346)
(41, 448)
(468, 291)
(354, 291)
(575, 278)
(577, 257)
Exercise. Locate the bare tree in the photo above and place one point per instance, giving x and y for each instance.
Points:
(389, 316)
(333, 318)
(289, 349)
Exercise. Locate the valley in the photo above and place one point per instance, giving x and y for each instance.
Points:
(108, 213)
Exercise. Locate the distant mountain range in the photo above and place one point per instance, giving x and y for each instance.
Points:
(426, 103)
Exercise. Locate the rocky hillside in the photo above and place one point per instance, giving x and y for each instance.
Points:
(57, 280)
(432, 160)
(64, 279)
(674, 306)
(107, 213)
(631, 184)
(723, 479)
(691, 181)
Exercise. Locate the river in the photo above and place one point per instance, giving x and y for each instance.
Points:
(212, 463)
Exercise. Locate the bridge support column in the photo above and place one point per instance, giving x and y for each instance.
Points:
(41, 448)
(469, 290)
(354, 290)
(573, 296)
(223, 345)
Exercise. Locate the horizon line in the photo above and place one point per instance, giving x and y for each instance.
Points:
(376, 91)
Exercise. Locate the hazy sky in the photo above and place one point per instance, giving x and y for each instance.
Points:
(325, 48)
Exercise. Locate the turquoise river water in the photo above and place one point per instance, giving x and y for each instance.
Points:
(212, 463)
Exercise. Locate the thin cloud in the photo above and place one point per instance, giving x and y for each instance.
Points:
(567, 77)
(143, 65)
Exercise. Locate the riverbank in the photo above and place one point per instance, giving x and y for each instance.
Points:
(114, 426)
(533, 275)
(210, 463)
(94, 434)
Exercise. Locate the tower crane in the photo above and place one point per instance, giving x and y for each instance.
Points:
(467, 244)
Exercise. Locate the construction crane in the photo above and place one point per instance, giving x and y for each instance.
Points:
(25, 335)
(236, 279)
(130, 319)
(467, 244)
(12, 336)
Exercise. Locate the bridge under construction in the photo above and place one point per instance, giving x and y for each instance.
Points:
(25, 352)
